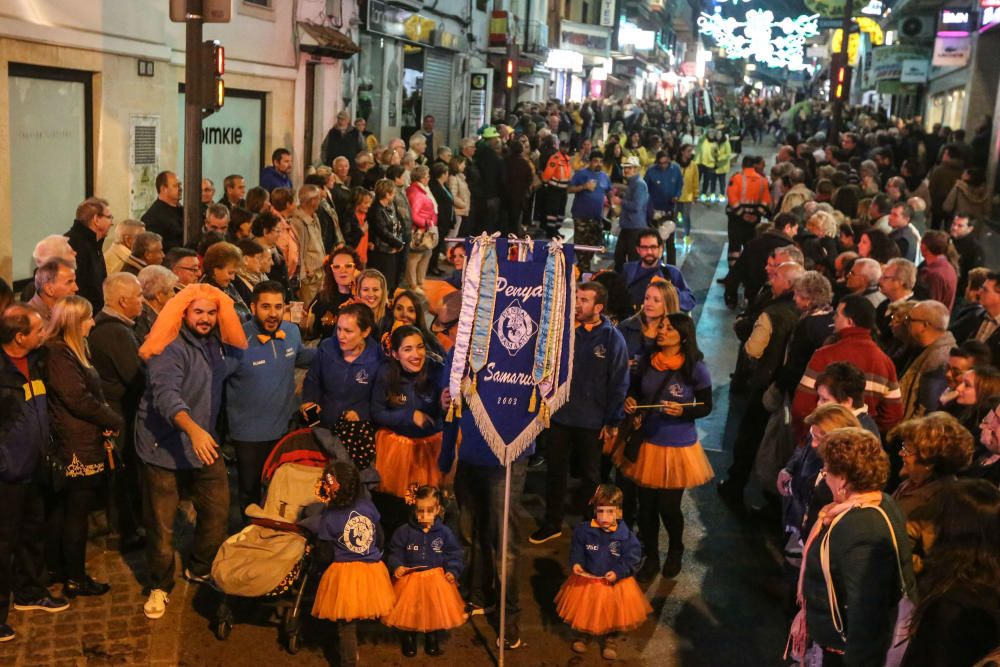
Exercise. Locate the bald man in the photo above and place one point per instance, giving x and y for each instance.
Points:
(925, 377)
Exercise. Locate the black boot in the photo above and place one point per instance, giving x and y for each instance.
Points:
(85, 586)
(649, 569)
(432, 644)
(409, 644)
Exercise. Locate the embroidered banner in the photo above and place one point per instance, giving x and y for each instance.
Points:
(524, 326)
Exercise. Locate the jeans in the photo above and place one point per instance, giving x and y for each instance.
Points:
(480, 493)
(563, 440)
(250, 458)
(684, 210)
(209, 492)
(68, 525)
(22, 544)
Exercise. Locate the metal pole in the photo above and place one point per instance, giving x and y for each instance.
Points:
(838, 103)
(192, 122)
(503, 564)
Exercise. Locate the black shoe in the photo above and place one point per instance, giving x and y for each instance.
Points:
(535, 460)
(432, 644)
(86, 586)
(672, 566)
(409, 644)
(544, 534)
(648, 570)
(6, 633)
(730, 495)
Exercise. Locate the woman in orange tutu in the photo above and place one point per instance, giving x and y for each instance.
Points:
(406, 410)
(426, 559)
(356, 584)
(670, 458)
(601, 598)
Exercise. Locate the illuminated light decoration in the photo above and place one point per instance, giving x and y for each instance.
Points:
(510, 74)
(759, 36)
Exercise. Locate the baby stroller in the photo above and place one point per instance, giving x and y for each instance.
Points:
(269, 560)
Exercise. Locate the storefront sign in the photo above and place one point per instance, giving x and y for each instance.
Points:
(951, 51)
(991, 15)
(590, 40)
(914, 71)
(887, 61)
(955, 21)
(479, 98)
(564, 60)
(607, 13)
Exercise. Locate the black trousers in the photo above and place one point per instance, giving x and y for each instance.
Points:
(22, 544)
(563, 442)
(250, 458)
(68, 525)
(655, 506)
(625, 248)
(392, 265)
(747, 443)
(125, 496)
(740, 232)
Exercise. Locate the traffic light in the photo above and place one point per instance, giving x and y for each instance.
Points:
(209, 89)
(840, 78)
(509, 80)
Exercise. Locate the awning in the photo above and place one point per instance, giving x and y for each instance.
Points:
(319, 40)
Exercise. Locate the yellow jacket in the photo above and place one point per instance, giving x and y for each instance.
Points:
(689, 190)
(723, 156)
(704, 154)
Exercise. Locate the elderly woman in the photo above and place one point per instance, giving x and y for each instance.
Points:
(424, 216)
(823, 249)
(849, 581)
(813, 295)
(934, 449)
(221, 263)
(158, 284)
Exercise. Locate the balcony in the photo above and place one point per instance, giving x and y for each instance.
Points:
(537, 42)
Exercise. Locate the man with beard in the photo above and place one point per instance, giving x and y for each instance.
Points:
(637, 274)
(260, 390)
(175, 434)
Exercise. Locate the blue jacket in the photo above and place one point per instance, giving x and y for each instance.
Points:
(600, 379)
(637, 280)
(337, 386)
(664, 186)
(636, 343)
(24, 419)
(634, 204)
(412, 547)
(474, 449)
(271, 178)
(599, 552)
(398, 415)
(188, 375)
(354, 532)
(260, 391)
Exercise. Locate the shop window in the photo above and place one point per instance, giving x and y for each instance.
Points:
(370, 82)
(260, 9)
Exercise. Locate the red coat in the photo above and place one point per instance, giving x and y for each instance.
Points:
(854, 345)
(423, 212)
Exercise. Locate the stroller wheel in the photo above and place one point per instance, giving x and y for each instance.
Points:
(293, 643)
(222, 629)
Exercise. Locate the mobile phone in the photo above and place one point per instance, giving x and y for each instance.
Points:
(312, 415)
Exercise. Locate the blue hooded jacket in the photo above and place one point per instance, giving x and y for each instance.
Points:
(637, 279)
(337, 386)
(634, 205)
(412, 547)
(664, 186)
(600, 379)
(599, 552)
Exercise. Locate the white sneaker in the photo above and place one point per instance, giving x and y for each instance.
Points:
(156, 605)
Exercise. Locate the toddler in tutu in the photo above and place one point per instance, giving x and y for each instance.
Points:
(356, 584)
(425, 557)
(601, 598)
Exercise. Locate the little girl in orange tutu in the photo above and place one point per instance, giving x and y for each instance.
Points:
(426, 559)
(601, 598)
(356, 585)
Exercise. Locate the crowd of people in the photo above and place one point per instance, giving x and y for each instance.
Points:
(136, 364)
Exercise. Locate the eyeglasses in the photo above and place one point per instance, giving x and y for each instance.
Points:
(342, 267)
(193, 269)
(649, 247)
(108, 216)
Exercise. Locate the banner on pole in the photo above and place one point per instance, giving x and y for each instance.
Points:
(513, 352)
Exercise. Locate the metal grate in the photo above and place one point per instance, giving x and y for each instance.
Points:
(144, 147)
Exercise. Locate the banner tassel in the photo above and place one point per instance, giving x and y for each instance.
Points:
(451, 412)
(533, 401)
(458, 408)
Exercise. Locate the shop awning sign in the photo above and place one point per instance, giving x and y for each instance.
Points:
(955, 21)
(914, 71)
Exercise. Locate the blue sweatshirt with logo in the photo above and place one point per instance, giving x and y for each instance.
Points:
(354, 532)
(394, 410)
(438, 547)
(337, 385)
(599, 552)
(260, 390)
(600, 379)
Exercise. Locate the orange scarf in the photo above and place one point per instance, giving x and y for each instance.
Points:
(664, 362)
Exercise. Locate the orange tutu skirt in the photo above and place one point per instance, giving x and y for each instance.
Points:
(425, 602)
(596, 607)
(354, 591)
(401, 461)
(667, 467)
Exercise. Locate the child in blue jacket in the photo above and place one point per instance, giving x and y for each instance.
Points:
(426, 559)
(601, 598)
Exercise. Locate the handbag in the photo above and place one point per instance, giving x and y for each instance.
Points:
(424, 239)
(52, 469)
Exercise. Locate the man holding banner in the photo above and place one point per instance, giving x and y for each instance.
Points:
(595, 407)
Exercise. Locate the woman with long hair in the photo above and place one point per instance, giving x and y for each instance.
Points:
(406, 410)
(409, 308)
(371, 290)
(82, 423)
(670, 458)
(641, 329)
(877, 245)
(355, 223)
(340, 379)
(977, 394)
(613, 163)
(340, 271)
(957, 619)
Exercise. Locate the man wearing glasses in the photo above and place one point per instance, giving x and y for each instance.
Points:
(185, 264)
(897, 281)
(92, 223)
